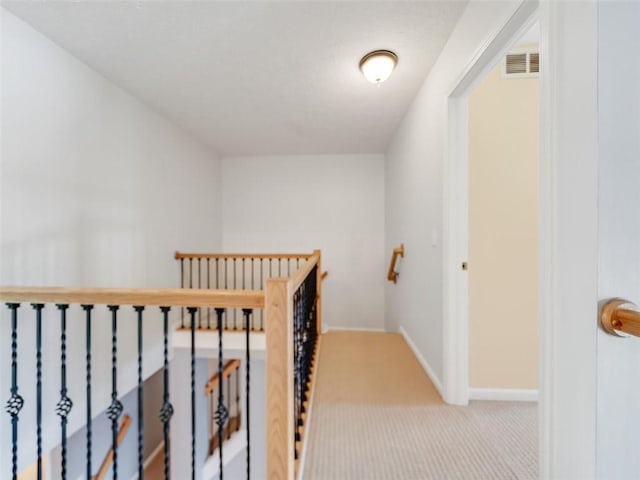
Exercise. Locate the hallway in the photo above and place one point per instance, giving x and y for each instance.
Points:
(377, 416)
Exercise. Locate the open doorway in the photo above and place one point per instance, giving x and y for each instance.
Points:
(503, 210)
(495, 377)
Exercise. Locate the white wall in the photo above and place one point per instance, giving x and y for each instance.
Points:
(300, 203)
(96, 189)
(413, 185)
(618, 423)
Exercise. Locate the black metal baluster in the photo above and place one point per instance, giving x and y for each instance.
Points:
(279, 267)
(38, 308)
(247, 362)
(182, 286)
(226, 285)
(208, 288)
(63, 408)
(238, 408)
(166, 412)
(261, 288)
(139, 310)
(192, 314)
(89, 440)
(199, 287)
(243, 274)
(115, 409)
(222, 414)
(235, 310)
(191, 273)
(15, 402)
(296, 366)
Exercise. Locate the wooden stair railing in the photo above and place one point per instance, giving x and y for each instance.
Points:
(292, 311)
(392, 275)
(108, 458)
(133, 304)
(214, 381)
(288, 406)
(233, 424)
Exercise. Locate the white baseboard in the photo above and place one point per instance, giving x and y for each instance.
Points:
(503, 394)
(423, 362)
(354, 329)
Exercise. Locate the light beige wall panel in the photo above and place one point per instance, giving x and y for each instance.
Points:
(503, 233)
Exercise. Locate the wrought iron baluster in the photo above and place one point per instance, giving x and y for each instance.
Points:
(182, 286)
(15, 402)
(89, 440)
(63, 408)
(261, 288)
(199, 286)
(192, 313)
(38, 308)
(243, 274)
(226, 287)
(208, 288)
(238, 407)
(139, 310)
(235, 310)
(115, 409)
(247, 365)
(222, 414)
(166, 412)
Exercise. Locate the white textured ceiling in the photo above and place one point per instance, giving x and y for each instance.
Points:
(252, 78)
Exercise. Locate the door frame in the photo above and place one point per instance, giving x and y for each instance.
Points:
(456, 216)
(456, 195)
(568, 232)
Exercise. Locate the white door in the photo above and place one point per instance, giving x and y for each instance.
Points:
(618, 408)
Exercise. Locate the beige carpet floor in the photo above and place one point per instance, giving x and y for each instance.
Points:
(376, 416)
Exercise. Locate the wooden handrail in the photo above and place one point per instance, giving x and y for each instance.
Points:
(299, 275)
(108, 459)
(181, 255)
(620, 317)
(119, 296)
(392, 275)
(230, 367)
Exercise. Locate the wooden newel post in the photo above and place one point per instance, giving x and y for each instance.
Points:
(319, 292)
(279, 371)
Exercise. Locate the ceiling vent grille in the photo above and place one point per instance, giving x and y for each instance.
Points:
(521, 65)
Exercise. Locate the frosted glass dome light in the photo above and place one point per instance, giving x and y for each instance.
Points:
(377, 66)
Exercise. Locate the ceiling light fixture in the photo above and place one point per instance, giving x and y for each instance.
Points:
(377, 66)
